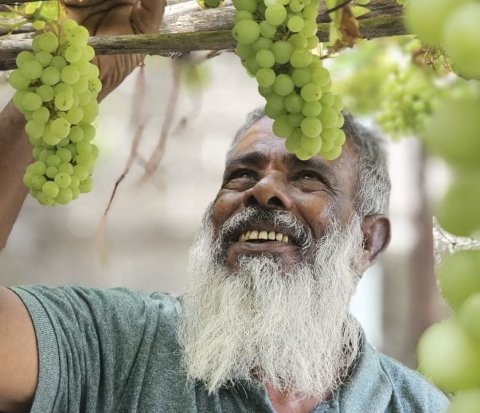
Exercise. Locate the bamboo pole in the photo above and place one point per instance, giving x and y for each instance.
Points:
(187, 27)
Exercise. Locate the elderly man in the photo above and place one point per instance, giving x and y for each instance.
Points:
(264, 326)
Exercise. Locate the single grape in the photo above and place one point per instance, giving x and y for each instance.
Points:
(31, 69)
(293, 103)
(248, 5)
(50, 76)
(265, 77)
(282, 50)
(50, 189)
(246, 31)
(311, 127)
(295, 24)
(18, 80)
(275, 14)
(311, 92)
(265, 58)
(48, 42)
(31, 101)
(283, 85)
(281, 128)
(69, 75)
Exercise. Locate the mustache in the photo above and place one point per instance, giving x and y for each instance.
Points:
(282, 221)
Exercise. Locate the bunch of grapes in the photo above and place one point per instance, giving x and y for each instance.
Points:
(57, 90)
(275, 42)
(410, 94)
(449, 352)
(452, 26)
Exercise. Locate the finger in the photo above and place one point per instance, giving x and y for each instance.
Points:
(147, 15)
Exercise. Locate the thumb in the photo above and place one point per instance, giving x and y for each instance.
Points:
(147, 15)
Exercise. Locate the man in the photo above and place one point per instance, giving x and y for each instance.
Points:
(264, 326)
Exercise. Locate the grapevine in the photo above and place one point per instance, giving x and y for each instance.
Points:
(56, 90)
(276, 39)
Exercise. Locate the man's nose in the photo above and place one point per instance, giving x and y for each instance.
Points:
(270, 192)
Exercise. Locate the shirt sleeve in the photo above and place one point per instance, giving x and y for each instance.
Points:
(90, 341)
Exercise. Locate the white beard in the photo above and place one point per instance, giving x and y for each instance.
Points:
(291, 329)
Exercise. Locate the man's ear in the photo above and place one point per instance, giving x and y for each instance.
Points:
(376, 237)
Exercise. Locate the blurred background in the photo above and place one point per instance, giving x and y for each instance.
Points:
(150, 227)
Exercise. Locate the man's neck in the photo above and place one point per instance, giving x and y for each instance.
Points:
(286, 404)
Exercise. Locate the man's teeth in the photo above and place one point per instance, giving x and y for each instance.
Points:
(268, 235)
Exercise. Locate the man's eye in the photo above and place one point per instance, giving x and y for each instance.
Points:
(308, 176)
(242, 174)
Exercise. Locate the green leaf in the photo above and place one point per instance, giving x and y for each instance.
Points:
(362, 2)
(358, 11)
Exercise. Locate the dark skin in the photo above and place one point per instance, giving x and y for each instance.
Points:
(260, 172)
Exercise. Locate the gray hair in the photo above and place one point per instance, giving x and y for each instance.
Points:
(373, 180)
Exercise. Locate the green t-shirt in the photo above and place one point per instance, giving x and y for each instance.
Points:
(115, 350)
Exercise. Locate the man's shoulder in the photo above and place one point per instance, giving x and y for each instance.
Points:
(411, 389)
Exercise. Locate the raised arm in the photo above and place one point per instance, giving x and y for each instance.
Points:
(101, 17)
(18, 350)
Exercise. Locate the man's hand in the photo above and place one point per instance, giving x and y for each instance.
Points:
(115, 17)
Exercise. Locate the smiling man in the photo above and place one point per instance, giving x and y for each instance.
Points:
(265, 325)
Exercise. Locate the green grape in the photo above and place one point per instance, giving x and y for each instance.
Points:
(41, 115)
(295, 119)
(275, 14)
(60, 127)
(329, 117)
(38, 167)
(23, 57)
(312, 42)
(293, 141)
(50, 189)
(84, 146)
(243, 15)
(75, 115)
(34, 129)
(65, 156)
(63, 101)
(282, 50)
(69, 75)
(65, 195)
(310, 146)
(283, 85)
(327, 145)
(76, 134)
(295, 24)
(311, 11)
(275, 101)
(296, 6)
(18, 80)
(78, 36)
(31, 69)
(452, 130)
(31, 101)
(446, 355)
(301, 58)
(273, 113)
(267, 30)
(467, 401)
(86, 185)
(246, 31)
(311, 92)
(301, 77)
(68, 25)
(327, 99)
(46, 92)
(48, 42)
(37, 182)
(461, 40)
(53, 160)
(281, 128)
(51, 171)
(80, 172)
(262, 43)
(44, 58)
(332, 154)
(298, 41)
(309, 29)
(248, 5)
(72, 53)
(38, 25)
(88, 53)
(468, 316)
(265, 58)
(311, 127)
(58, 62)
(83, 67)
(27, 180)
(265, 77)
(293, 103)
(312, 109)
(63, 180)
(321, 77)
(88, 131)
(50, 76)
(75, 182)
(427, 18)
(458, 278)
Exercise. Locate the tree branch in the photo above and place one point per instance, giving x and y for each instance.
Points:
(186, 28)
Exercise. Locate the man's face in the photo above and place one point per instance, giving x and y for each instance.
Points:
(261, 173)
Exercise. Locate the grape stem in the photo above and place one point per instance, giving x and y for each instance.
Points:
(337, 7)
